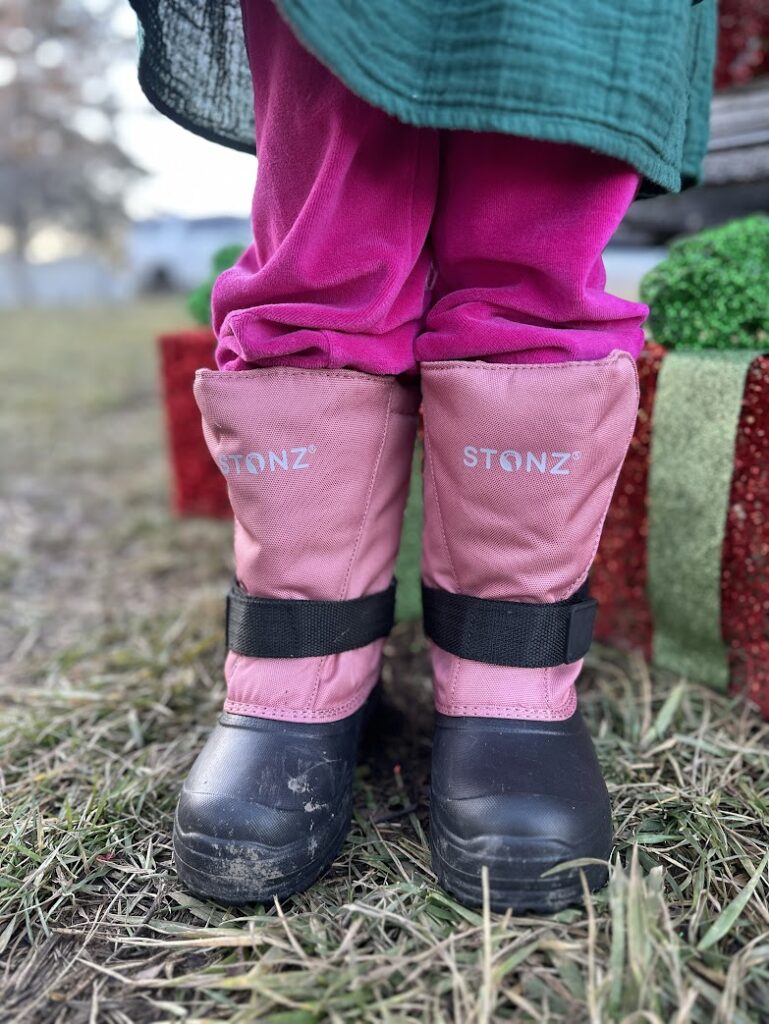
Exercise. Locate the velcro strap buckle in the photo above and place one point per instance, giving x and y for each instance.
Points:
(510, 633)
(265, 627)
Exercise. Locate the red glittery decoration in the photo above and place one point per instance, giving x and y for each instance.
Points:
(198, 488)
(745, 559)
(743, 41)
(619, 575)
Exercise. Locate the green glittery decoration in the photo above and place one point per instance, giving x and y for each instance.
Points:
(696, 415)
(199, 301)
(408, 596)
(712, 291)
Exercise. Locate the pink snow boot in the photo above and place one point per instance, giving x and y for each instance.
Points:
(520, 465)
(317, 464)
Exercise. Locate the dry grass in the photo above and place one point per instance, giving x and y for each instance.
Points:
(111, 616)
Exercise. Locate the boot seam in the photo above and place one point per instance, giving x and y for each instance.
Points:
(204, 374)
(548, 689)
(369, 494)
(429, 461)
(537, 713)
(628, 437)
(312, 703)
(268, 711)
(457, 671)
(465, 365)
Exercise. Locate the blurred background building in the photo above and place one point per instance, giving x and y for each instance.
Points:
(101, 199)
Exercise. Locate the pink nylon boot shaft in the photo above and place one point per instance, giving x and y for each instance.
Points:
(520, 465)
(317, 464)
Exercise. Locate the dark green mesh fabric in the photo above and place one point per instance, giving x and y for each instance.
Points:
(628, 79)
(193, 67)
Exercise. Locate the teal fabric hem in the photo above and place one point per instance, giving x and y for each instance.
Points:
(659, 176)
(695, 420)
(631, 80)
(660, 129)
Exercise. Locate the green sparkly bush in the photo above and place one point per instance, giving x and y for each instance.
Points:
(199, 301)
(712, 291)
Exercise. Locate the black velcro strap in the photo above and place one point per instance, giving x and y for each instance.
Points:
(264, 627)
(508, 632)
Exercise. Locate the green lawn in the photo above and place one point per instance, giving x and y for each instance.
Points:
(111, 638)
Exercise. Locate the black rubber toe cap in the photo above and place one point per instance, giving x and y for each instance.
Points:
(520, 798)
(265, 807)
(264, 781)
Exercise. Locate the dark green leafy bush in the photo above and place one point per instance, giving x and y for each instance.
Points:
(712, 291)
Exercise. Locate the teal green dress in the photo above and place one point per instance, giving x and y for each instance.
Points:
(629, 78)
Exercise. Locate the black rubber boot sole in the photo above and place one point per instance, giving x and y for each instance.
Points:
(234, 873)
(516, 880)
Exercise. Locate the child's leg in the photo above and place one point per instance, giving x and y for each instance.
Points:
(519, 231)
(520, 227)
(334, 279)
(523, 444)
(336, 275)
(317, 459)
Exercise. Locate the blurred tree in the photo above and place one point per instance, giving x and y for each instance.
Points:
(60, 163)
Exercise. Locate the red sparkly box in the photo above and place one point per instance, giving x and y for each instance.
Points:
(197, 486)
(619, 575)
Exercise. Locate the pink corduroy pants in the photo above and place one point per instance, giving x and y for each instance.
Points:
(379, 245)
